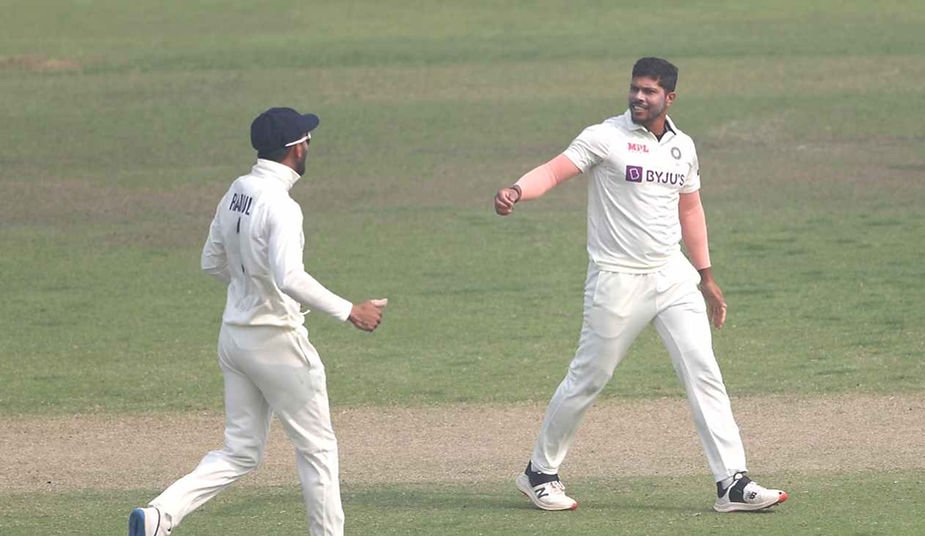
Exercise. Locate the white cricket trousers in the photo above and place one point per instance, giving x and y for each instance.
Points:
(269, 370)
(617, 307)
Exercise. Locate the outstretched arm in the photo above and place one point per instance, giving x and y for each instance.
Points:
(535, 183)
(694, 234)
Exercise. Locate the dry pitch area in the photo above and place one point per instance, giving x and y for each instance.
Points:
(472, 443)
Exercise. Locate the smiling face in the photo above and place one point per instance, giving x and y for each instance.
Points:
(649, 103)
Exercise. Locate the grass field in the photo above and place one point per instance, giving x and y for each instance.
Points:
(124, 122)
(632, 507)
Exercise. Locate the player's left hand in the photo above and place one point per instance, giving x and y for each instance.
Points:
(368, 315)
(716, 304)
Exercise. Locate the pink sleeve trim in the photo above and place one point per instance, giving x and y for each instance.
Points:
(543, 178)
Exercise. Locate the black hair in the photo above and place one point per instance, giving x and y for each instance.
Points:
(661, 70)
(276, 156)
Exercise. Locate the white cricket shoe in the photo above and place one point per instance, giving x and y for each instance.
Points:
(148, 522)
(743, 495)
(546, 496)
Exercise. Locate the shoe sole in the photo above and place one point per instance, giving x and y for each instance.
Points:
(527, 490)
(743, 507)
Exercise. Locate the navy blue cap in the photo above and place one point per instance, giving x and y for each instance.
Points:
(277, 128)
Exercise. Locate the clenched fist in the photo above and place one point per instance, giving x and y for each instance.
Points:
(368, 315)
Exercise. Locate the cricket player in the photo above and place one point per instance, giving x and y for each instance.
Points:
(255, 246)
(643, 200)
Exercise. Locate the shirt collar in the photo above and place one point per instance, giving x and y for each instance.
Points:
(669, 125)
(274, 170)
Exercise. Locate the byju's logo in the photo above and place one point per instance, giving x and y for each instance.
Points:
(638, 174)
(634, 173)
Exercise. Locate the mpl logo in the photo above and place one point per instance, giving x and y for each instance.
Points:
(633, 173)
(637, 147)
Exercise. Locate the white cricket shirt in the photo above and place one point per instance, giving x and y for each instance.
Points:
(634, 185)
(255, 245)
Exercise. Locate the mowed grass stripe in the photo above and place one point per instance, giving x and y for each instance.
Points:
(820, 503)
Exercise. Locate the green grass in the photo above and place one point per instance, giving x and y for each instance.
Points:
(805, 116)
(843, 504)
(811, 181)
(124, 328)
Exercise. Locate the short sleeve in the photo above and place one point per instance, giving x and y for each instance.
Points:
(692, 184)
(589, 148)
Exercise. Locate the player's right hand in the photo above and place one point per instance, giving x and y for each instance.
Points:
(368, 315)
(505, 200)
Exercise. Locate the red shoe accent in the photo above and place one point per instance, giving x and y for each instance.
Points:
(783, 497)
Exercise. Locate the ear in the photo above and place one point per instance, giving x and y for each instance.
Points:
(297, 151)
(670, 97)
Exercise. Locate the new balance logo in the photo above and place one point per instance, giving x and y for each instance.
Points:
(540, 493)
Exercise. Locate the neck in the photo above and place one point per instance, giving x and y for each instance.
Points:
(656, 126)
